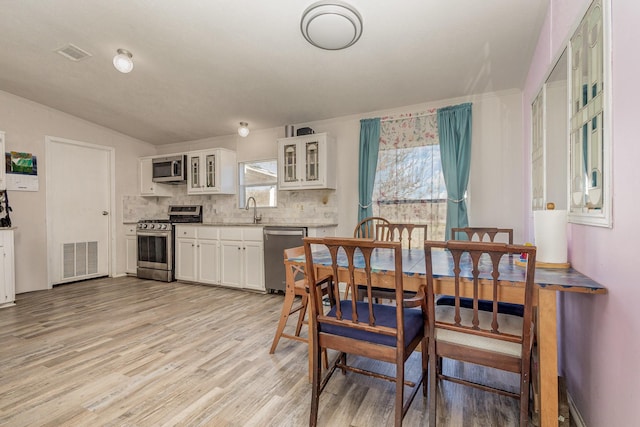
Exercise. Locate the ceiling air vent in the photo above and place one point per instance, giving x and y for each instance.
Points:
(73, 53)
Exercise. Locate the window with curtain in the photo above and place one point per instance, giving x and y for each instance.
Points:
(409, 185)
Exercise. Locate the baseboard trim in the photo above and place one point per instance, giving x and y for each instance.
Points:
(576, 418)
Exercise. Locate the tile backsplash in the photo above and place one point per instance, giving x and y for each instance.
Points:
(294, 207)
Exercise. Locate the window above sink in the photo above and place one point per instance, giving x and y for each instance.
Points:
(258, 179)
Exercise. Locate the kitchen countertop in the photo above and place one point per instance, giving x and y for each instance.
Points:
(247, 224)
(250, 224)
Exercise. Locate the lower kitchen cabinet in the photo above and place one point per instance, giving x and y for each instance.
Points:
(197, 254)
(131, 242)
(229, 256)
(208, 260)
(7, 271)
(241, 260)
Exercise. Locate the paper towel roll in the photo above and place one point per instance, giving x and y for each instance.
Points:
(550, 229)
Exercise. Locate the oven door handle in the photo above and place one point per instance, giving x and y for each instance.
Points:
(153, 233)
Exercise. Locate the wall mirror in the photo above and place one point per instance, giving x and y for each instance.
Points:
(590, 119)
(550, 139)
(571, 139)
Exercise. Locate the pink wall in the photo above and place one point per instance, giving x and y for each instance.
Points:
(600, 346)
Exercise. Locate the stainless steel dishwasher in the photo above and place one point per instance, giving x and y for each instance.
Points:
(276, 240)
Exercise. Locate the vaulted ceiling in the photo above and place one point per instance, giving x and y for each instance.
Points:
(203, 66)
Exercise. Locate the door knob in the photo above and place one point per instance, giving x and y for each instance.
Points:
(105, 213)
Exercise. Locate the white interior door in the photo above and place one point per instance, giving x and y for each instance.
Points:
(79, 203)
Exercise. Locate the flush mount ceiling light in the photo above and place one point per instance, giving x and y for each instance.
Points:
(331, 25)
(123, 61)
(243, 130)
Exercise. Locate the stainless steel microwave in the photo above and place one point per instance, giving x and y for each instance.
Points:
(170, 169)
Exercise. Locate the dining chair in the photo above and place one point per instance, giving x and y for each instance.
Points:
(472, 335)
(368, 227)
(388, 333)
(295, 286)
(482, 233)
(411, 235)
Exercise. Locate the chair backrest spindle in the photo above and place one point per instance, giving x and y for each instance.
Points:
(481, 234)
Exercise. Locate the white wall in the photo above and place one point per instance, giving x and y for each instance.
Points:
(26, 124)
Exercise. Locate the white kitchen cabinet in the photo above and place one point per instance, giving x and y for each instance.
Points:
(3, 173)
(145, 179)
(307, 162)
(229, 256)
(253, 265)
(212, 172)
(131, 244)
(231, 265)
(321, 231)
(197, 254)
(241, 260)
(185, 262)
(7, 271)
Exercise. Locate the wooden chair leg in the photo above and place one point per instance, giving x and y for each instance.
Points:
(433, 378)
(316, 379)
(302, 313)
(425, 366)
(284, 315)
(525, 382)
(399, 393)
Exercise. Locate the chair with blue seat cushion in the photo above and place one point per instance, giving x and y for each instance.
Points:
(388, 333)
(482, 234)
(479, 332)
(484, 305)
(410, 235)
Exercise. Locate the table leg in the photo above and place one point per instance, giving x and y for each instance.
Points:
(548, 346)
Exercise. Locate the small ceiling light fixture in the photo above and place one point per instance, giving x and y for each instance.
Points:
(243, 130)
(331, 25)
(123, 61)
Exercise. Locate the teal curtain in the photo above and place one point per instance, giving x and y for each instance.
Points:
(454, 130)
(368, 160)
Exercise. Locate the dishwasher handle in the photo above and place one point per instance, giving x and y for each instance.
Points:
(284, 233)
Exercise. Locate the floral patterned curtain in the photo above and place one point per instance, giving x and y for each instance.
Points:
(409, 130)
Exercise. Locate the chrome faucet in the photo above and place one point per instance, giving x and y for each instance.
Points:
(256, 218)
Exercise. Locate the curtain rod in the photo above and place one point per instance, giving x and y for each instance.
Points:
(409, 117)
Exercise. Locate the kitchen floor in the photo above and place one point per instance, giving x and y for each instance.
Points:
(132, 352)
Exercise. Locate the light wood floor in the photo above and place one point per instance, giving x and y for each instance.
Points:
(131, 352)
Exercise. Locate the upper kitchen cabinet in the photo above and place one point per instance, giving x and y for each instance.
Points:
(212, 172)
(145, 178)
(307, 162)
(3, 176)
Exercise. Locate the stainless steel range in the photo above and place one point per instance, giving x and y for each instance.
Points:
(156, 242)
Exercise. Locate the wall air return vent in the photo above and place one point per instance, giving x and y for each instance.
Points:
(79, 259)
(73, 53)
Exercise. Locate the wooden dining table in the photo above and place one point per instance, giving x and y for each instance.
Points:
(548, 282)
